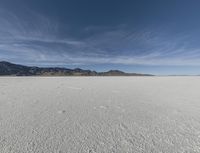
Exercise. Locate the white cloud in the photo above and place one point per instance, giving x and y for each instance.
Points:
(38, 42)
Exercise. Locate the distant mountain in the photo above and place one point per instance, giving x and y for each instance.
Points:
(7, 68)
(120, 73)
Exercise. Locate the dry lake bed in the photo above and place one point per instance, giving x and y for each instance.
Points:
(100, 115)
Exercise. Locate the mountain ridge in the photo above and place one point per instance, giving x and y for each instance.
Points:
(11, 69)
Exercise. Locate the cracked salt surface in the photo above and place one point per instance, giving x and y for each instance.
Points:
(99, 115)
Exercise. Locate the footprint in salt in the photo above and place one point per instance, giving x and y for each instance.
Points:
(120, 108)
(91, 151)
(61, 111)
(103, 107)
(74, 88)
(100, 107)
(115, 91)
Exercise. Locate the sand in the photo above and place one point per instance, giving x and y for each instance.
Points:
(99, 114)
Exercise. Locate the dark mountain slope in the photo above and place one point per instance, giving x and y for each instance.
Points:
(7, 68)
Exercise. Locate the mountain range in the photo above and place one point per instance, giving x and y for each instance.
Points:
(7, 68)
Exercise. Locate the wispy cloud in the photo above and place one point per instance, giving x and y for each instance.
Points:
(37, 41)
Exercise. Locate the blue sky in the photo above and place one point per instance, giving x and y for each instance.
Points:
(157, 36)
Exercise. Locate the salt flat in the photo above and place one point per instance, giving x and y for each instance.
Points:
(100, 114)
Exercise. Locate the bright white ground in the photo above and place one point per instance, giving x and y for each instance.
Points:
(100, 114)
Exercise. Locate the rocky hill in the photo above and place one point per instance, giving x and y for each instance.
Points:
(7, 68)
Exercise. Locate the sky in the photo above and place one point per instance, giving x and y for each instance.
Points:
(146, 36)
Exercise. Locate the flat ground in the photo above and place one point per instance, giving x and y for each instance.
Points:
(100, 114)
